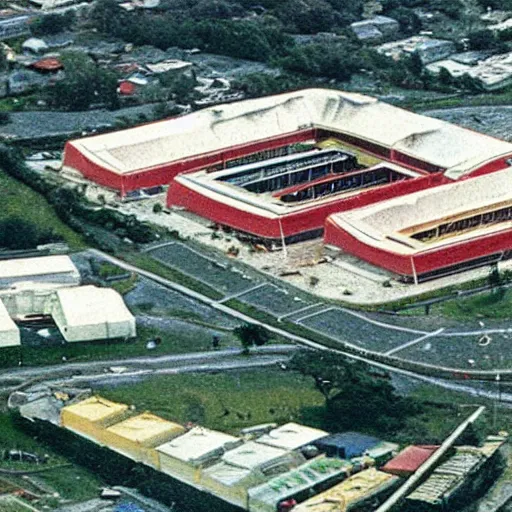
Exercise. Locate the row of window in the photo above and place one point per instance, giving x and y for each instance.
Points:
(343, 184)
(461, 225)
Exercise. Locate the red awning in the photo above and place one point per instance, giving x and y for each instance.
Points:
(409, 460)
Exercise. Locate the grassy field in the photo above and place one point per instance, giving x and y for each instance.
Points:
(496, 304)
(183, 338)
(233, 401)
(18, 200)
(228, 401)
(69, 481)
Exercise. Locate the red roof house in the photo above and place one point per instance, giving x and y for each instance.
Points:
(47, 65)
(409, 460)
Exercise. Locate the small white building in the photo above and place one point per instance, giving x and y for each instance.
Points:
(291, 436)
(46, 269)
(429, 50)
(9, 332)
(87, 313)
(199, 447)
(375, 28)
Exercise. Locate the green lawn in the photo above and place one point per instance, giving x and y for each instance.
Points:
(232, 401)
(71, 482)
(188, 337)
(228, 401)
(19, 200)
(496, 304)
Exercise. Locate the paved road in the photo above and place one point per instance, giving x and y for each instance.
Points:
(51, 123)
(490, 120)
(292, 337)
(196, 361)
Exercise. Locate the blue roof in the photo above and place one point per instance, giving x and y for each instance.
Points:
(347, 444)
(128, 507)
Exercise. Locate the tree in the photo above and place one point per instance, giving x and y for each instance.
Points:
(84, 83)
(17, 233)
(408, 20)
(354, 396)
(250, 335)
(307, 16)
(482, 40)
(49, 24)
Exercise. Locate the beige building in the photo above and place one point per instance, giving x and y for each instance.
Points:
(89, 418)
(86, 313)
(291, 436)
(9, 332)
(59, 270)
(138, 436)
(185, 456)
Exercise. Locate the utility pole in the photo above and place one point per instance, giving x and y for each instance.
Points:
(497, 399)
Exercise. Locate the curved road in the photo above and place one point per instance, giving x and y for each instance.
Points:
(366, 356)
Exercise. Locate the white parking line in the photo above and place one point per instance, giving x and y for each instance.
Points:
(322, 311)
(413, 342)
(239, 294)
(301, 310)
(382, 324)
(159, 246)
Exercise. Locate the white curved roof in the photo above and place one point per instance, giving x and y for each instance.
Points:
(381, 224)
(223, 126)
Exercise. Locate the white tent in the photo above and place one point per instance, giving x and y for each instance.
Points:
(44, 269)
(85, 313)
(9, 332)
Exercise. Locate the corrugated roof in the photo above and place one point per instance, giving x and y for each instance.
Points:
(220, 127)
(409, 460)
(381, 224)
(96, 408)
(352, 490)
(145, 427)
(291, 436)
(352, 444)
(251, 455)
(197, 444)
(435, 488)
(83, 305)
(25, 267)
(304, 477)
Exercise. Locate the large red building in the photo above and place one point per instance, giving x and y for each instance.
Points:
(433, 232)
(277, 167)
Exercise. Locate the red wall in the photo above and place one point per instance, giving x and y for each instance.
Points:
(494, 165)
(163, 174)
(424, 261)
(293, 223)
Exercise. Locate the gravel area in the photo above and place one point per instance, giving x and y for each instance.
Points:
(493, 121)
(274, 300)
(48, 123)
(354, 330)
(462, 352)
(221, 276)
(156, 299)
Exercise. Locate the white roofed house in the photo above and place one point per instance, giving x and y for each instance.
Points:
(59, 270)
(9, 332)
(184, 457)
(89, 313)
(291, 436)
(247, 466)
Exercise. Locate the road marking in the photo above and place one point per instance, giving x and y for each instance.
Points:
(239, 294)
(322, 311)
(159, 246)
(382, 324)
(301, 310)
(363, 355)
(413, 342)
